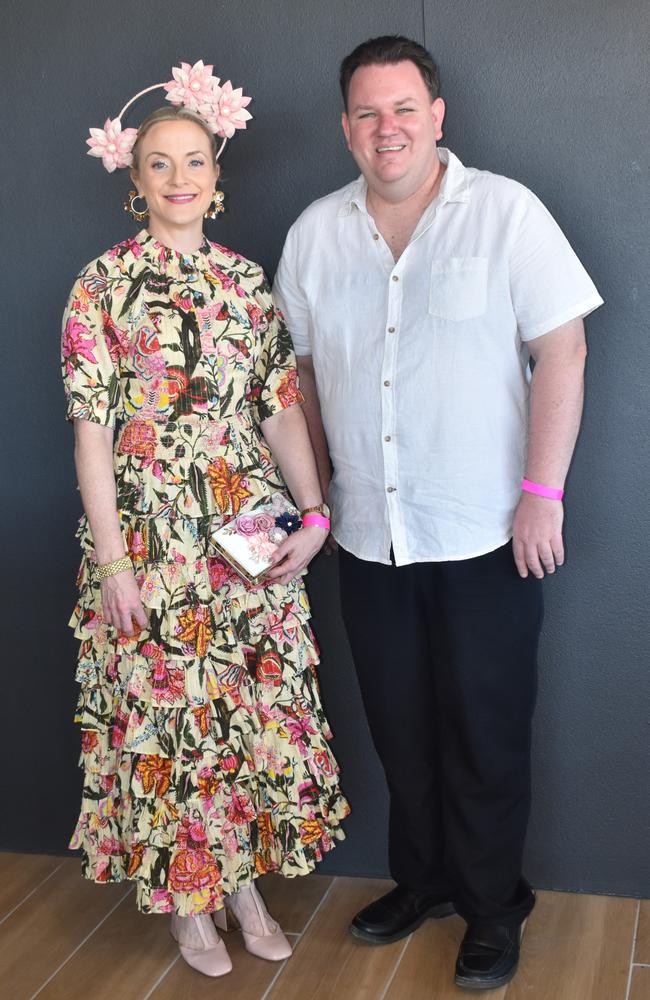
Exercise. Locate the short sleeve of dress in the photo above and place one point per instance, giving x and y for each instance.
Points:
(90, 375)
(548, 284)
(274, 382)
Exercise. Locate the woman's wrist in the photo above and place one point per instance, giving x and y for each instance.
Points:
(313, 519)
(109, 553)
(318, 516)
(115, 566)
(316, 508)
(108, 541)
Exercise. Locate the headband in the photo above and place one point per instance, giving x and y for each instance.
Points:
(222, 108)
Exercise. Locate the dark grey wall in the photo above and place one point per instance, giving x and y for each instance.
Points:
(557, 98)
(554, 97)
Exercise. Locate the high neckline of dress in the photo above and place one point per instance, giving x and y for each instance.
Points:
(168, 255)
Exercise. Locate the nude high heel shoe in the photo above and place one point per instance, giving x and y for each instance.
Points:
(200, 945)
(263, 937)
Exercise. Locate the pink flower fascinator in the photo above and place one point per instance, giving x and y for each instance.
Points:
(222, 107)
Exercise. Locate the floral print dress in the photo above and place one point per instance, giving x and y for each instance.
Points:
(204, 744)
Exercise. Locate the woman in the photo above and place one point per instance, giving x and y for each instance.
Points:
(204, 742)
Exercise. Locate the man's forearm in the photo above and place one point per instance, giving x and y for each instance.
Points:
(311, 409)
(556, 399)
(556, 396)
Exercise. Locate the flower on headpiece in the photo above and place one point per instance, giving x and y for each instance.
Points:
(192, 86)
(223, 109)
(228, 111)
(112, 144)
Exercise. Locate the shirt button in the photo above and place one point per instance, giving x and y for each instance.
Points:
(375, 236)
(390, 489)
(395, 278)
(387, 438)
(387, 382)
(391, 329)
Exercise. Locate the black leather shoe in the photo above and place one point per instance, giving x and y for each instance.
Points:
(488, 956)
(396, 914)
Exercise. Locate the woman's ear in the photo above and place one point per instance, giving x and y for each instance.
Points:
(133, 174)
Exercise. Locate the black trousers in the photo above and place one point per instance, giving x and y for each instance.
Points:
(446, 659)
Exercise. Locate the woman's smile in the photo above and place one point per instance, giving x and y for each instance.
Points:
(179, 199)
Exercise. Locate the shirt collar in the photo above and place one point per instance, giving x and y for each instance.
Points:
(159, 253)
(454, 188)
(455, 183)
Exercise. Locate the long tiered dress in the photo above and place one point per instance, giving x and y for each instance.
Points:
(204, 744)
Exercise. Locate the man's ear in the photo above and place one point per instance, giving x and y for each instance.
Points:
(345, 124)
(438, 115)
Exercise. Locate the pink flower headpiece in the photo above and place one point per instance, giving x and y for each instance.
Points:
(222, 108)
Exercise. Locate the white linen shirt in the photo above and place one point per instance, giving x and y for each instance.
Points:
(421, 364)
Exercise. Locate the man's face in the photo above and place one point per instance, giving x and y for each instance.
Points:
(391, 127)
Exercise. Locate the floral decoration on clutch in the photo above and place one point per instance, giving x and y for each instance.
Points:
(249, 541)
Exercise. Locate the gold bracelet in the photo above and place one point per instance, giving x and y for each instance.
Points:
(321, 508)
(117, 566)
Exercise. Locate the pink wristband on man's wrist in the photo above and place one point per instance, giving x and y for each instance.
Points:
(541, 491)
(317, 519)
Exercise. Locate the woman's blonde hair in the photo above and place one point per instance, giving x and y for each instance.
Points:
(172, 114)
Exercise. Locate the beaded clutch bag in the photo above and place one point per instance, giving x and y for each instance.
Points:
(248, 542)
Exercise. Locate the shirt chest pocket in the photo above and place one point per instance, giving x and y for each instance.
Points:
(458, 287)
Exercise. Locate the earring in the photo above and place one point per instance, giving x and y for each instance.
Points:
(129, 207)
(216, 205)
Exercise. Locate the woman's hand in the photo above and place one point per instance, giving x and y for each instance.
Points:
(121, 603)
(288, 438)
(295, 553)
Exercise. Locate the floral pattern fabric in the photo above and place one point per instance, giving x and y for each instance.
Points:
(204, 743)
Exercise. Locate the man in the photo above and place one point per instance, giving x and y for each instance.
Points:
(416, 296)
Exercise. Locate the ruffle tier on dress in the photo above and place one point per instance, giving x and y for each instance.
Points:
(204, 744)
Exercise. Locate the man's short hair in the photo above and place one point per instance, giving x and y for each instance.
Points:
(385, 50)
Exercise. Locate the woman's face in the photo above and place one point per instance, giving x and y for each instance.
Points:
(176, 174)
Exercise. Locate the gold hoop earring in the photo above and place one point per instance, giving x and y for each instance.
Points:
(216, 206)
(129, 207)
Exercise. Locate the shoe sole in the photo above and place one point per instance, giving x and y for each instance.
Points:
(494, 984)
(435, 913)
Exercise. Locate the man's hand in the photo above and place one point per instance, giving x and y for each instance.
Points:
(537, 535)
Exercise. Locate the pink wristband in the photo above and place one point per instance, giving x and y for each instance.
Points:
(318, 520)
(541, 491)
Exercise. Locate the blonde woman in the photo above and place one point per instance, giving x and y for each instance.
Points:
(204, 743)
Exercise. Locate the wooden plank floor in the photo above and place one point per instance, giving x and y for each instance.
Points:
(62, 938)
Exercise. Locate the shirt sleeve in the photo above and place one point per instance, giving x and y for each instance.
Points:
(290, 296)
(90, 375)
(548, 284)
(274, 382)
